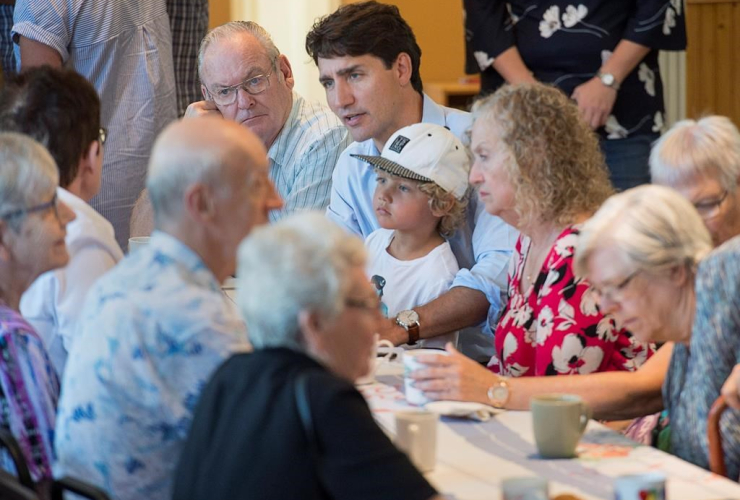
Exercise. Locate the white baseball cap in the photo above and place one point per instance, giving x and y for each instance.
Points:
(427, 153)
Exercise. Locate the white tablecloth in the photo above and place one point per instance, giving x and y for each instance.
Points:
(473, 457)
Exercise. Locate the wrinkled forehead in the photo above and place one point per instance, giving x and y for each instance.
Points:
(237, 57)
(698, 187)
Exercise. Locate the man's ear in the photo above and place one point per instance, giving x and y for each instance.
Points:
(198, 202)
(89, 160)
(204, 92)
(4, 241)
(283, 66)
(403, 68)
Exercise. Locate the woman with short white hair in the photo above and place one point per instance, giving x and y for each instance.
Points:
(32, 232)
(285, 421)
(701, 160)
(641, 252)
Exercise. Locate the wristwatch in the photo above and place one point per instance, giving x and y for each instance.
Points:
(608, 79)
(498, 393)
(409, 320)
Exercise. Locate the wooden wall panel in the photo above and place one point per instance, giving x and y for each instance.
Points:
(713, 58)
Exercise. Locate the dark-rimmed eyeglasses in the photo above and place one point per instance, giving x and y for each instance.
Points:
(614, 293)
(225, 96)
(36, 208)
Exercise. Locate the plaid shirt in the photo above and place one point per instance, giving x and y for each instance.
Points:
(188, 23)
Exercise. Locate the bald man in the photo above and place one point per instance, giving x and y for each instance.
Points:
(155, 327)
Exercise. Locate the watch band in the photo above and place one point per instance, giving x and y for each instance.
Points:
(413, 331)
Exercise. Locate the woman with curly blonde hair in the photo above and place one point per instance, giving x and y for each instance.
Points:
(538, 166)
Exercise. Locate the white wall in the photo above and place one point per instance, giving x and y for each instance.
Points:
(288, 21)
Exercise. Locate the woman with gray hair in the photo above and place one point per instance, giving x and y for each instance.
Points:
(32, 232)
(285, 421)
(701, 160)
(644, 254)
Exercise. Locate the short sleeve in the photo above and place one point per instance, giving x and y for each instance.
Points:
(342, 416)
(658, 24)
(572, 335)
(487, 30)
(47, 22)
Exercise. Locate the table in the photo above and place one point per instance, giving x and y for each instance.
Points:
(473, 457)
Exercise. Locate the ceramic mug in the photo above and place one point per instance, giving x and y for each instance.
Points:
(559, 421)
(137, 242)
(416, 435)
(650, 486)
(525, 488)
(382, 352)
(413, 395)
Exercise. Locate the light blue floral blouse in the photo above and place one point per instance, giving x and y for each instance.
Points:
(152, 332)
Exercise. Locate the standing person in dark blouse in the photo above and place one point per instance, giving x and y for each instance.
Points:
(602, 53)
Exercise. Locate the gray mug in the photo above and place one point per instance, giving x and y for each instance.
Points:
(559, 421)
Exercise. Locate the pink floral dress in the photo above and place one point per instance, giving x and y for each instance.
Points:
(555, 327)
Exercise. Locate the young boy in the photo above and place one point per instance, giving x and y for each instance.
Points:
(419, 200)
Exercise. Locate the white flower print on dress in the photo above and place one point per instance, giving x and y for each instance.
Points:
(605, 55)
(573, 358)
(670, 21)
(647, 76)
(483, 59)
(522, 315)
(677, 5)
(510, 347)
(658, 123)
(588, 303)
(565, 246)
(550, 22)
(544, 325)
(636, 354)
(552, 277)
(606, 330)
(573, 15)
(566, 315)
(614, 130)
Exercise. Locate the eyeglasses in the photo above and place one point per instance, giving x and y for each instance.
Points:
(710, 209)
(102, 135)
(36, 208)
(614, 293)
(368, 303)
(225, 96)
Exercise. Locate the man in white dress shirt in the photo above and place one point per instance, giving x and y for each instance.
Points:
(61, 109)
(368, 63)
(244, 78)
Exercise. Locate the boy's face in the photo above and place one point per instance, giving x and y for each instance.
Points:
(399, 204)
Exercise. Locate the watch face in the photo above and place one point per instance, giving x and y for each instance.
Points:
(408, 317)
(500, 393)
(608, 79)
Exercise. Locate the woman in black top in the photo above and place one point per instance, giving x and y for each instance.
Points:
(312, 315)
(602, 53)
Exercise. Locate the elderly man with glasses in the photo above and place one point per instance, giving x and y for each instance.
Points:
(61, 109)
(244, 78)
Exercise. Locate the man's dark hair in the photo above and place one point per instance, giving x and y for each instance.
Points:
(364, 28)
(57, 107)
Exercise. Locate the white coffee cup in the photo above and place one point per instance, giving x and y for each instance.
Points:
(410, 364)
(137, 242)
(416, 435)
(382, 352)
(639, 486)
(525, 488)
